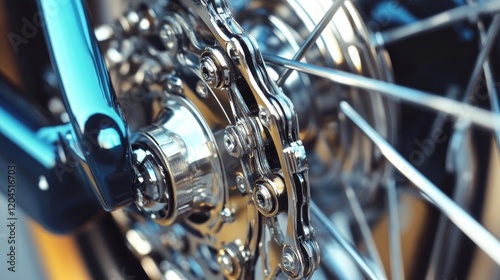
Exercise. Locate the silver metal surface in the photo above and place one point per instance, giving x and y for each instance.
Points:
(226, 96)
(182, 156)
(188, 157)
(223, 165)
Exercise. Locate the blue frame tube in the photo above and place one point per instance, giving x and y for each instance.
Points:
(64, 203)
(90, 101)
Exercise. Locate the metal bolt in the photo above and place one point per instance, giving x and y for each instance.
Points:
(168, 36)
(231, 144)
(201, 89)
(290, 264)
(230, 258)
(151, 196)
(265, 117)
(174, 84)
(235, 141)
(227, 215)
(233, 51)
(227, 265)
(264, 199)
(209, 71)
(240, 184)
(287, 262)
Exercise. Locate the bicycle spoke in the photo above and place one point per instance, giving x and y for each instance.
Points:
(487, 45)
(435, 22)
(444, 249)
(364, 228)
(311, 39)
(467, 224)
(490, 83)
(481, 66)
(358, 259)
(478, 116)
(397, 268)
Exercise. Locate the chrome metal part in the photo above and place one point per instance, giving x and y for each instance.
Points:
(214, 68)
(264, 199)
(187, 163)
(232, 258)
(269, 194)
(231, 146)
(231, 162)
(290, 263)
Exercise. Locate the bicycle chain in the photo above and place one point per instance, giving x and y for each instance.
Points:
(264, 121)
(272, 113)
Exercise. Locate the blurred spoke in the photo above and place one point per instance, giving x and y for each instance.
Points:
(478, 116)
(364, 228)
(490, 82)
(469, 226)
(353, 252)
(397, 268)
(311, 39)
(435, 22)
(487, 45)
